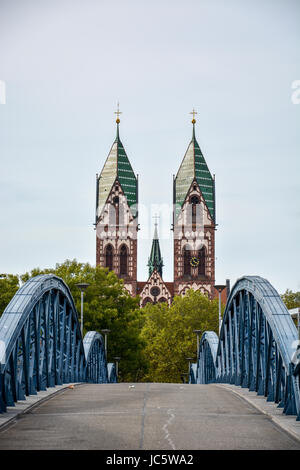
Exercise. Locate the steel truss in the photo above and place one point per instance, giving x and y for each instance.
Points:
(257, 342)
(95, 356)
(41, 344)
(112, 372)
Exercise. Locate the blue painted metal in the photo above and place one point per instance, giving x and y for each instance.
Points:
(193, 374)
(95, 356)
(257, 342)
(112, 372)
(206, 370)
(41, 343)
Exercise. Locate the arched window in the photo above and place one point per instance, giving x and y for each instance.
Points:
(146, 301)
(123, 260)
(116, 210)
(201, 265)
(109, 257)
(186, 260)
(194, 201)
(112, 216)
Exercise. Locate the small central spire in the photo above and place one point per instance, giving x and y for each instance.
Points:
(155, 261)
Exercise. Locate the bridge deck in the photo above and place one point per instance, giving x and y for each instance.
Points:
(146, 416)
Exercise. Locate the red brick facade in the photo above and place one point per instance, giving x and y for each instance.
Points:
(192, 234)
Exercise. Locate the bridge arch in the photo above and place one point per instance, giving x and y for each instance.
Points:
(257, 341)
(112, 372)
(41, 344)
(207, 358)
(94, 350)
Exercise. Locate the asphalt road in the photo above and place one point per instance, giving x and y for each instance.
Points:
(145, 416)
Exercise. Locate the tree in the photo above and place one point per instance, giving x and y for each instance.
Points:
(169, 337)
(291, 299)
(9, 284)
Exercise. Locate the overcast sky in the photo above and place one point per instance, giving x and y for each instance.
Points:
(65, 64)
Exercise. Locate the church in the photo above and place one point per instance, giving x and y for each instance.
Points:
(194, 225)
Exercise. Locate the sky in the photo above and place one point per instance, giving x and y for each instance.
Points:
(64, 65)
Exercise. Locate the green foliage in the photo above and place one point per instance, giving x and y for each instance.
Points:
(169, 337)
(291, 299)
(9, 284)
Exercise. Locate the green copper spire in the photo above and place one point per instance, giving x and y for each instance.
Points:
(194, 167)
(155, 260)
(117, 166)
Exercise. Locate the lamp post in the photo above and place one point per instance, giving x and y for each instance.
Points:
(106, 333)
(219, 288)
(184, 375)
(198, 333)
(117, 362)
(82, 286)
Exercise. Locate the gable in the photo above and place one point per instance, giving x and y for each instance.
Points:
(156, 282)
(206, 218)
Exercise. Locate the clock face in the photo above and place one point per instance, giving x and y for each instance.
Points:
(194, 262)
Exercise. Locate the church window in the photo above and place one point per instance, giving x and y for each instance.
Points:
(155, 291)
(186, 260)
(201, 265)
(109, 257)
(123, 260)
(194, 201)
(146, 301)
(113, 215)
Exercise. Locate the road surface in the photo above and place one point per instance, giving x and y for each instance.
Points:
(145, 416)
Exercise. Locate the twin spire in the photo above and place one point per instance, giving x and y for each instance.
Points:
(192, 169)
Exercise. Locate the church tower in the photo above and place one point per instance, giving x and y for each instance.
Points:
(194, 223)
(117, 215)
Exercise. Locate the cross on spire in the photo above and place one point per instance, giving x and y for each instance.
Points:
(155, 217)
(118, 112)
(193, 113)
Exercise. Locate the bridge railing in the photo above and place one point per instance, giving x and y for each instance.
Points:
(41, 344)
(257, 342)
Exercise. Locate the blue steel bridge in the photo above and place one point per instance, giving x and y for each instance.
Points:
(41, 346)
